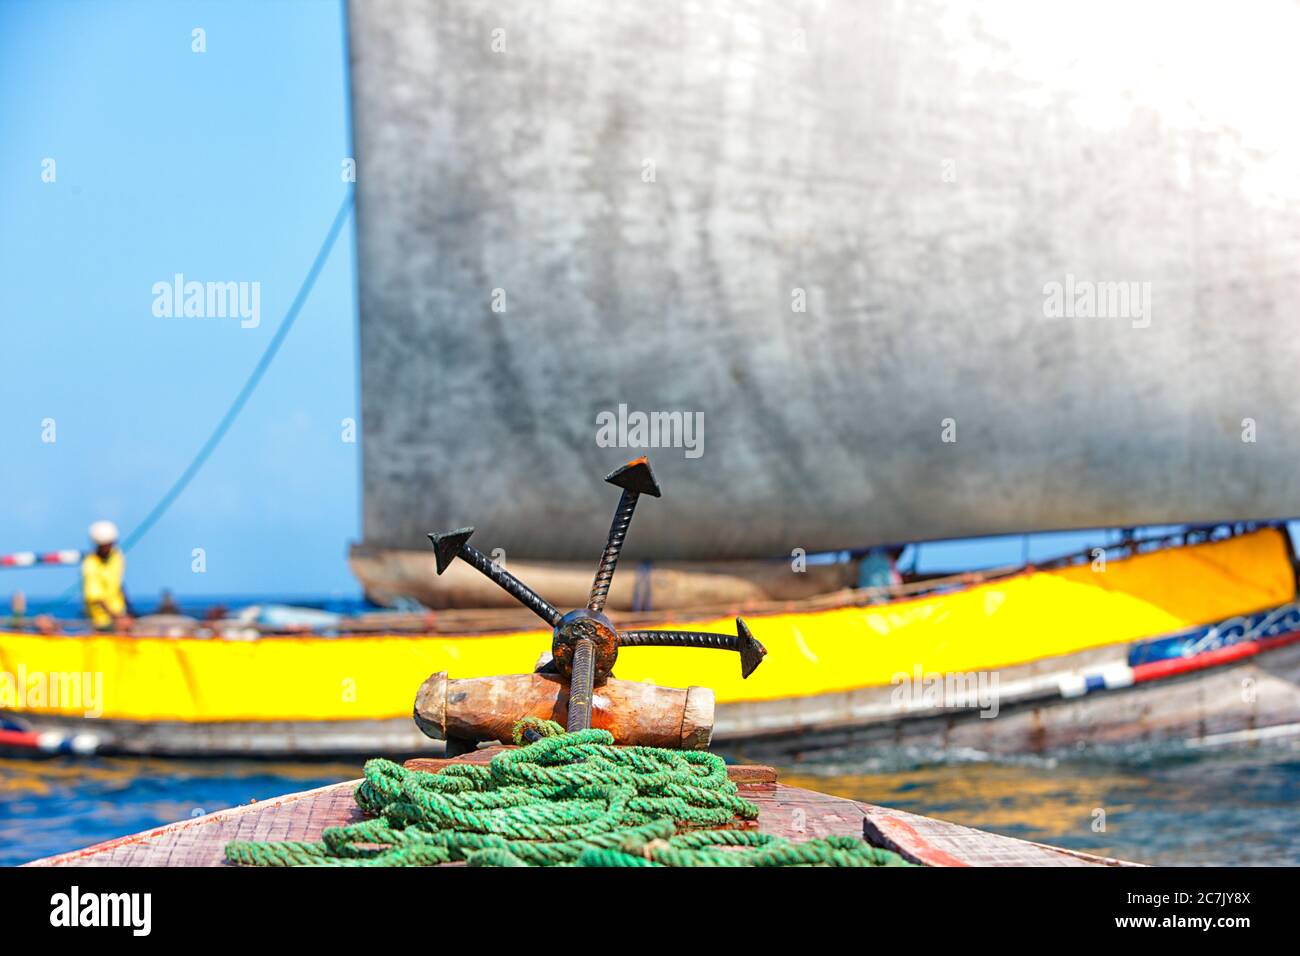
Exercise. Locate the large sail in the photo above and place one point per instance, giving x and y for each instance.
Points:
(906, 271)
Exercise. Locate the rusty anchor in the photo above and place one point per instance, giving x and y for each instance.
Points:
(585, 645)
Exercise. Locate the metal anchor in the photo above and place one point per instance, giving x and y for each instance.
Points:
(584, 642)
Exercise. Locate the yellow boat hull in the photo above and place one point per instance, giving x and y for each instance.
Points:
(991, 626)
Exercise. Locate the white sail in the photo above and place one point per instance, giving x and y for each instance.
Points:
(920, 269)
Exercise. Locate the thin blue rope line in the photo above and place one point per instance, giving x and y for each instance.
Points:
(241, 399)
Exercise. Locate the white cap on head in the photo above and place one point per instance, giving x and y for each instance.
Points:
(103, 532)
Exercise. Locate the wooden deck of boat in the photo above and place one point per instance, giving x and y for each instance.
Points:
(786, 811)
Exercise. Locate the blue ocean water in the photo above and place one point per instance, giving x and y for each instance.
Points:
(50, 805)
(1168, 805)
(1178, 808)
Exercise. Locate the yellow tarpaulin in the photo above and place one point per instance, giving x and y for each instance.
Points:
(1030, 616)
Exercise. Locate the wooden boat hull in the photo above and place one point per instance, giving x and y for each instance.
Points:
(1065, 657)
(389, 573)
(789, 812)
(1246, 700)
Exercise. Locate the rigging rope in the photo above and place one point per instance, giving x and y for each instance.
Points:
(569, 799)
(242, 396)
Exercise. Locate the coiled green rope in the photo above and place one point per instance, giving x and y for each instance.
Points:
(565, 800)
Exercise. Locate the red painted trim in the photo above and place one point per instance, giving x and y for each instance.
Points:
(19, 738)
(1154, 670)
(904, 838)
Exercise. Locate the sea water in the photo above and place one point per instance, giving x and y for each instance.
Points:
(1167, 805)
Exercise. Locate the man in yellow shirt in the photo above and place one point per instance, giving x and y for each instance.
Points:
(101, 577)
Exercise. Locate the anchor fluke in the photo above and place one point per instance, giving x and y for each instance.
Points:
(635, 476)
(751, 651)
(447, 545)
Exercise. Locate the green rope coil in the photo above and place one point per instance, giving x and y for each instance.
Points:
(564, 800)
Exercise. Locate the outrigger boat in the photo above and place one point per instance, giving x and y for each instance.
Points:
(1198, 643)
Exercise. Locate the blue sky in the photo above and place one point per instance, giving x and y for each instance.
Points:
(222, 165)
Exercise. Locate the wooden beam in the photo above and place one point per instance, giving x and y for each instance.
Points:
(487, 708)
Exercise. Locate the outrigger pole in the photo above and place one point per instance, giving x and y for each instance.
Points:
(29, 559)
(584, 642)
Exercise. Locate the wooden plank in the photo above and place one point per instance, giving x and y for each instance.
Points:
(435, 764)
(785, 811)
(939, 843)
(739, 773)
(202, 840)
(751, 773)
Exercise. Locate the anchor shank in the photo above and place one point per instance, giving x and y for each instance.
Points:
(580, 686)
(613, 547)
(636, 479)
(742, 642)
(722, 642)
